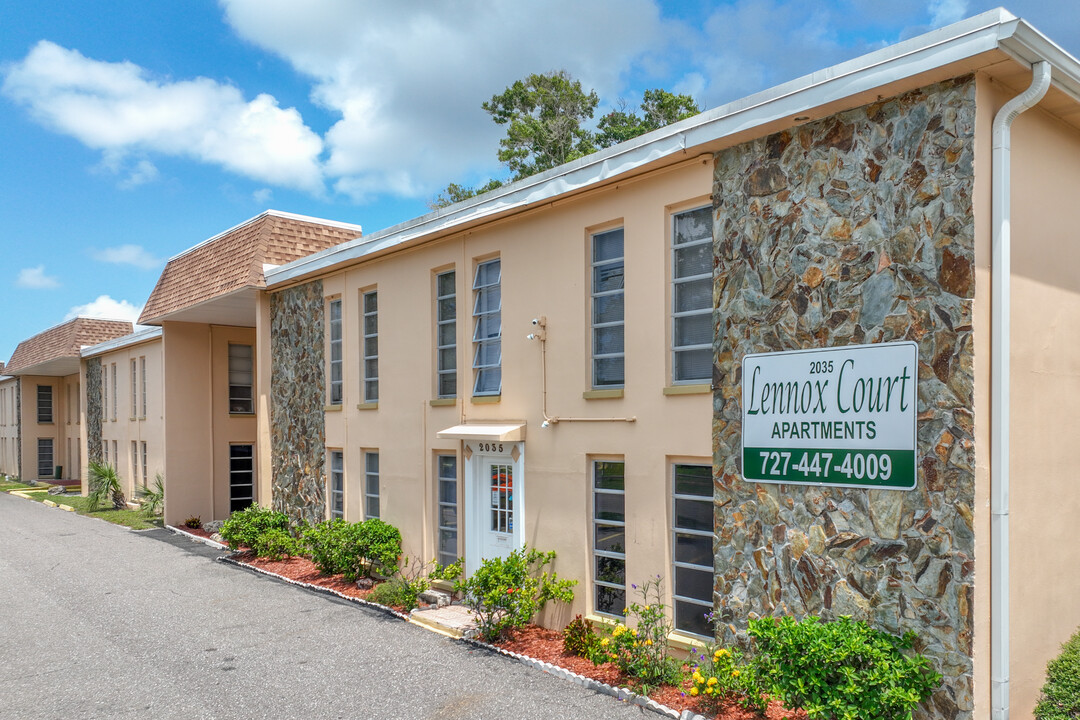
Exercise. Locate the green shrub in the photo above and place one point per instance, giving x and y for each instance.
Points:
(579, 638)
(245, 527)
(153, 498)
(642, 652)
(449, 572)
(404, 588)
(104, 487)
(354, 549)
(723, 675)
(505, 593)
(1060, 698)
(842, 670)
(276, 544)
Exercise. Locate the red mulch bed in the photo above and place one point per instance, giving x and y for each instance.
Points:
(547, 645)
(195, 531)
(534, 641)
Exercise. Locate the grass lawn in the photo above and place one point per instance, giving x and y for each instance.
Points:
(134, 519)
(11, 485)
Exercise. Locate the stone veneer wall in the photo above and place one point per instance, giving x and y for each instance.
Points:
(93, 410)
(857, 228)
(297, 394)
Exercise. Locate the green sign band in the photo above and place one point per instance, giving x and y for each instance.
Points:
(832, 466)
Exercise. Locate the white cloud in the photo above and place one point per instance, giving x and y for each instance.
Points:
(105, 307)
(35, 279)
(119, 108)
(143, 172)
(407, 80)
(262, 196)
(128, 255)
(944, 12)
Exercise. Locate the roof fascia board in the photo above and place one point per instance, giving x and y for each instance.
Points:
(135, 338)
(1027, 45)
(966, 39)
(161, 318)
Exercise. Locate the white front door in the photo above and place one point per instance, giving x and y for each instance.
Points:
(494, 499)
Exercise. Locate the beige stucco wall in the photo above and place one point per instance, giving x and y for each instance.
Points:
(9, 427)
(545, 271)
(134, 426)
(199, 427)
(1045, 356)
(61, 429)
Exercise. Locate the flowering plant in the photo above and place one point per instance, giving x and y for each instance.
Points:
(642, 652)
(723, 675)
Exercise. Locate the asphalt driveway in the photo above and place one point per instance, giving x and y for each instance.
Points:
(97, 621)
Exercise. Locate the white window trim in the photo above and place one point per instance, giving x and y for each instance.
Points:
(480, 370)
(621, 324)
(115, 390)
(134, 387)
(336, 487)
(596, 552)
(142, 369)
(335, 343)
(250, 387)
(676, 281)
(440, 504)
(368, 476)
(441, 322)
(686, 531)
(371, 382)
(145, 472)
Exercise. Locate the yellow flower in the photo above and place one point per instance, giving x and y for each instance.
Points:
(648, 642)
(604, 642)
(697, 677)
(693, 691)
(712, 681)
(634, 632)
(723, 652)
(619, 630)
(734, 673)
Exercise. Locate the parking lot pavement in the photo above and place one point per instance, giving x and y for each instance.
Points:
(97, 621)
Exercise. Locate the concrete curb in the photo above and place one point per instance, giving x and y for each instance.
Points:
(198, 538)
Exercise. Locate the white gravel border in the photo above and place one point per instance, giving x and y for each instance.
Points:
(198, 538)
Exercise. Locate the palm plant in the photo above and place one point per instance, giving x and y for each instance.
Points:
(104, 486)
(153, 498)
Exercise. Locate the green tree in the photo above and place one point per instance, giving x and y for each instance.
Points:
(454, 193)
(658, 108)
(543, 115)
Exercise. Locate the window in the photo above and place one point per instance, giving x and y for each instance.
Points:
(691, 300)
(335, 353)
(142, 374)
(692, 526)
(609, 538)
(487, 343)
(446, 333)
(134, 387)
(607, 309)
(44, 404)
(371, 485)
(45, 457)
(76, 472)
(78, 403)
(371, 347)
(144, 470)
(134, 460)
(448, 546)
(337, 485)
(115, 391)
(105, 452)
(241, 379)
(116, 451)
(241, 477)
(104, 392)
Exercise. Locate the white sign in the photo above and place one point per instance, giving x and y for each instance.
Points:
(831, 416)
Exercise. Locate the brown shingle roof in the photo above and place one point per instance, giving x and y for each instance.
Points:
(235, 258)
(65, 341)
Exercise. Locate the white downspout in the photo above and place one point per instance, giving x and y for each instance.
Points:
(1001, 270)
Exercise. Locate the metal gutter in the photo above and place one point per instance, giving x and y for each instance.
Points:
(1001, 270)
(139, 336)
(957, 42)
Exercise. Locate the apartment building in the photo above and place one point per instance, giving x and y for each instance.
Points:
(124, 400)
(207, 304)
(47, 396)
(9, 425)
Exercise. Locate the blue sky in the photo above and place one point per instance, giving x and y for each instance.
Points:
(132, 130)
